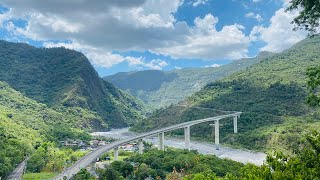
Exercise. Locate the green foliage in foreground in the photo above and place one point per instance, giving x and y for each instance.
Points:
(26, 125)
(83, 175)
(157, 164)
(309, 14)
(271, 94)
(164, 162)
(304, 164)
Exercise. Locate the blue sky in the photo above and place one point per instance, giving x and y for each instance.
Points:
(130, 35)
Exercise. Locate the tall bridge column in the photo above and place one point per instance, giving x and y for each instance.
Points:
(187, 137)
(216, 134)
(161, 141)
(141, 146)
(235, 124)
(116, 153)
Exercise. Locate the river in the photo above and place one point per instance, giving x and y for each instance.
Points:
(244, 156)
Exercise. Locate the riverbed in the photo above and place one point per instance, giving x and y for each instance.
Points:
(244, 156)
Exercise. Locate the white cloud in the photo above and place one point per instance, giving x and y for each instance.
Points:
(279, 34)
(207, 43)
(98, 28)
(213, 65)
(107, 59)
(177, 67)
(254, 16)
(199, 2)
(255, 1)
(156, 64)
(97, 56)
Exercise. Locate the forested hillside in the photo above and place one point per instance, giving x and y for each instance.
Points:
(160, 88)
(271, 94)
(26, 124)
(61, 77)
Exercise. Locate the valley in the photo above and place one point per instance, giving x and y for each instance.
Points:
(270, 91)
(243, 156)
(160, 90)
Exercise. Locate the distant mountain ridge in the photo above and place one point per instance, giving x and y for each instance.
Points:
(162, 88)
(271, 94)
(59, 76)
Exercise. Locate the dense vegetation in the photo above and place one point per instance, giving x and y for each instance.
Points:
(26, 125)
(271, 94)
(61, 77)
(165, 164)
(174, 164)
(159, 89)
(304, 164)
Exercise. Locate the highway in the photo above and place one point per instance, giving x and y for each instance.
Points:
(91, 157)
(18, 172)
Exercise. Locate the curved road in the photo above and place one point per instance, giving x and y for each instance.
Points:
(91, 157)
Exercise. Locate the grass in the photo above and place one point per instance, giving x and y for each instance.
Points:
(38, 176)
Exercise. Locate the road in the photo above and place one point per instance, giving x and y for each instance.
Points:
(18, 172)
(91, 157)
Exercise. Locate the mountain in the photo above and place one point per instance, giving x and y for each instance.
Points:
(162, 88)
(25, 124)
(271, 94)
(62, 77)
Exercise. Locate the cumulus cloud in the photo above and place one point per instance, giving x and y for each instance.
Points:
(199, 2)
(279, 34)
(101, 58)
(98, 28)
(254, 16)
(213, 65)
(156, 64)
(97, 56)
(207, 43)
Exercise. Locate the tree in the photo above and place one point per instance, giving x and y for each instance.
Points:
(123, 167)
(83, 175)
(313, 98)
(144, 171)
(304, 165)
(110, 173)
(308, 17)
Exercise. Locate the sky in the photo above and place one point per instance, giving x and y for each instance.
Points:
(132, 35)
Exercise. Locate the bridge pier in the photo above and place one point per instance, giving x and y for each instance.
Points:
(141, 146)
(235, 124)
(161, 141)
(216, 134)
(187, 137)
(116, 154)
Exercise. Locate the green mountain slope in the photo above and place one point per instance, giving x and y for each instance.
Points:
(159, 89)
(25, 124)
(58, 76)
(271, 94)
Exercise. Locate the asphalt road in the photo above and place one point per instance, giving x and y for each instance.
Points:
(18, 172)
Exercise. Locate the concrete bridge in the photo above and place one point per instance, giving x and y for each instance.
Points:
(92, 156)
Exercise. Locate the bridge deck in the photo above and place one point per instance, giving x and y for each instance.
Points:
(91, 157)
